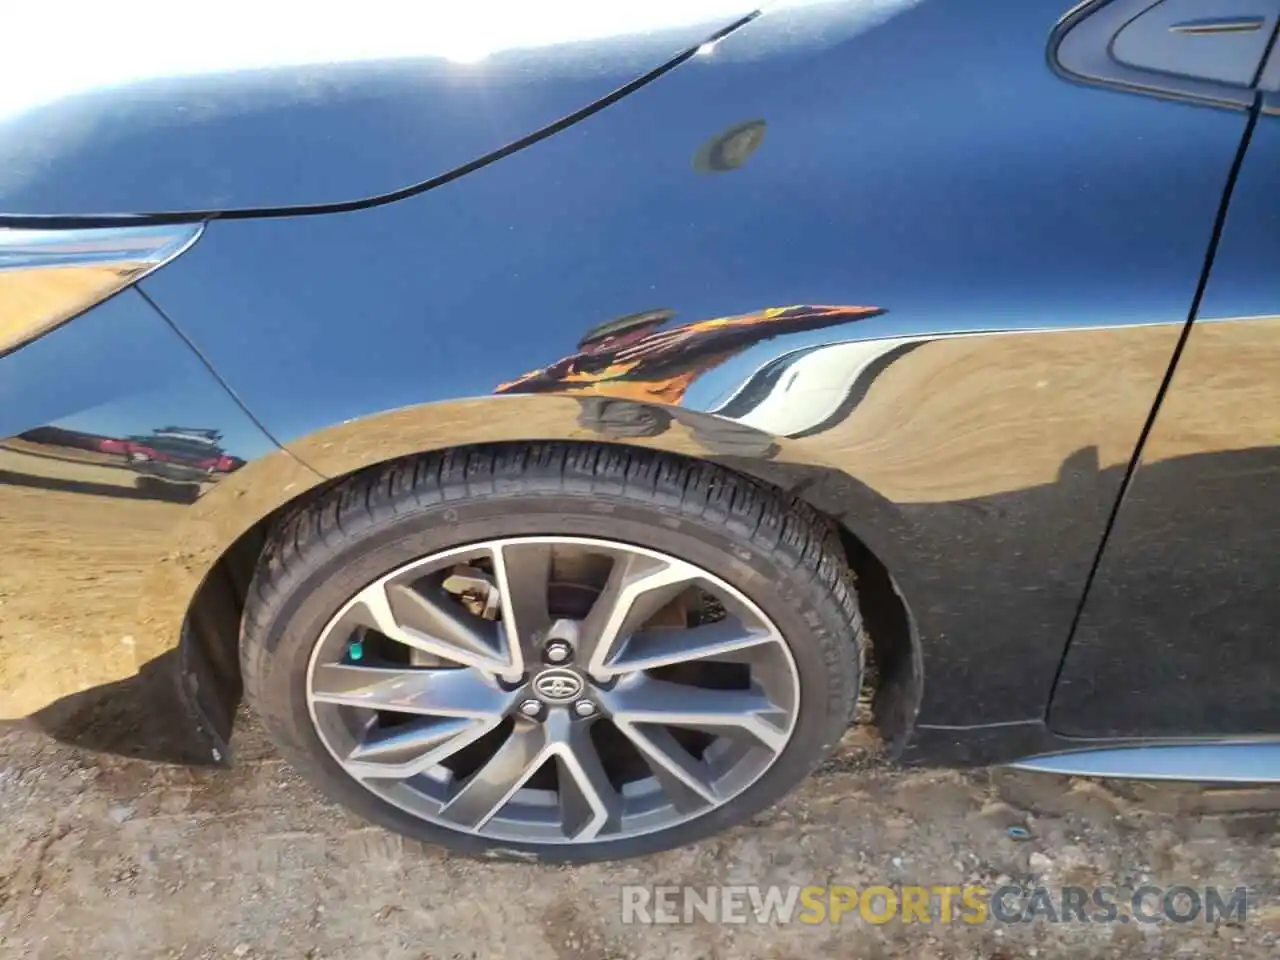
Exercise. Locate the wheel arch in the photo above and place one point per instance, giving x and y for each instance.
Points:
(223, 543)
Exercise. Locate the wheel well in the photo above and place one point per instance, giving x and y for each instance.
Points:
(209, 650)
(894, 672)
(210, 660)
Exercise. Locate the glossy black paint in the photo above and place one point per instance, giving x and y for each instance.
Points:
(119, 371)
(1178, 635)
(309, 135)
(1027, 249)
(839, 206)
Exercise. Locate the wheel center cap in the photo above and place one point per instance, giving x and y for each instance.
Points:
(558, 685)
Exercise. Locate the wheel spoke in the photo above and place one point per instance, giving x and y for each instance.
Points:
(487, 790)
(589, 804)
(439, 693)
(661, 646)
(686, 780)
(408, 741)
(523, 573)
(723, 712)
(429, 611)
(410, 749)
(435, 624)
(638, 587)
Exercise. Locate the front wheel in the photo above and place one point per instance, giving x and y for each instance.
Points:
(552, 651)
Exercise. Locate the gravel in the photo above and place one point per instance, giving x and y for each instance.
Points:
(110, 857)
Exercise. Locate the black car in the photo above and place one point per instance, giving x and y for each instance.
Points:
(609, 401)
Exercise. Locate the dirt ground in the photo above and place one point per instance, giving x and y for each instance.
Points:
(110, 857)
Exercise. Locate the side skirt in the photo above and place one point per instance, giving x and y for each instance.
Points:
(1233, 761)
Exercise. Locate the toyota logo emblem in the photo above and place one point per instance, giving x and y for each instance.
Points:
(557, 686)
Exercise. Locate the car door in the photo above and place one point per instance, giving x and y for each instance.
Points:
(1178, 635)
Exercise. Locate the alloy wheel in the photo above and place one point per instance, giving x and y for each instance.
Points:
(553, 690)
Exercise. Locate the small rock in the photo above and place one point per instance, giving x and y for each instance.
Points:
(241, 950)
(120, 814)
(1039, 862)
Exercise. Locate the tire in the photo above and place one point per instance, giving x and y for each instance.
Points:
(773, 550)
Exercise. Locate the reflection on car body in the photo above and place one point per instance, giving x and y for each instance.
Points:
(1033, 482)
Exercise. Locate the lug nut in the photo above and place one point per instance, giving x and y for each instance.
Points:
(584, 708)
(558, 651)
(531, 708)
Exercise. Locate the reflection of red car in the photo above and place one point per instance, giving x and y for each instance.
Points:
(166, 453)
(175, 454)
(225, 464)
